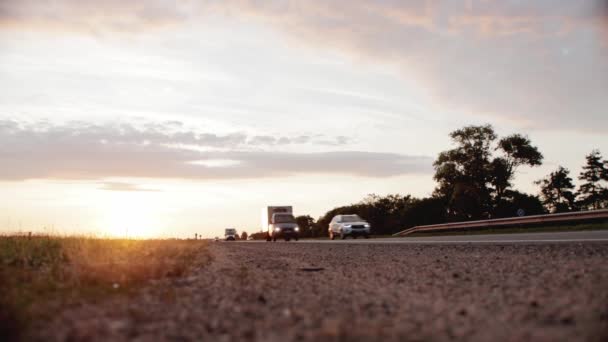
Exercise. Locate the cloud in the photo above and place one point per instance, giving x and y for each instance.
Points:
(540, 64)
(121, 186)
(90, 15)
(96, 151)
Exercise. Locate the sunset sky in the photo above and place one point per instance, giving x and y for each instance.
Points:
(155, 119)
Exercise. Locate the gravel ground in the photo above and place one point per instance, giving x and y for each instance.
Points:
(338, 292)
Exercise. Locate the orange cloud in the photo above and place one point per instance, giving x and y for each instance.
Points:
(90, 15)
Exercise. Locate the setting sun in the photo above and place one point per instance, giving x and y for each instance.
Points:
(130, 215)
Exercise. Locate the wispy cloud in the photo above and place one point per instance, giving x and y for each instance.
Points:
(122, 186)
(87, 151)
(542, 63)
(91, 16)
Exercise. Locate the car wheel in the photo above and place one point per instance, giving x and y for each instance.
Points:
(274, 239)
(342, 236)
(296, 238)
(367, 236)
(354, 236)
(268, 238)
(287, 239)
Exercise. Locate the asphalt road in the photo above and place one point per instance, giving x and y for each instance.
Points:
(367, 290)
(549, 237)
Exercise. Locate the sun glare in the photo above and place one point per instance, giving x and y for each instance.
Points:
(132, 216)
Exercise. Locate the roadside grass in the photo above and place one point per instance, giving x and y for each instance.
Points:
(40, 274)
(517, 229)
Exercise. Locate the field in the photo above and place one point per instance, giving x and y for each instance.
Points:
(42, 274)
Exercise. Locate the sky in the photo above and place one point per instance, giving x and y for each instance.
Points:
(169, 118)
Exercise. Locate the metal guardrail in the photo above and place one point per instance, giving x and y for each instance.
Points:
(562, 217)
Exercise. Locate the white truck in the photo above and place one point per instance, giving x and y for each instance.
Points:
(279, 222)
(230, 234)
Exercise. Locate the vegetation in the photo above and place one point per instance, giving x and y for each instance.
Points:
(475, 181)
(557, 191)
(593, 194)
(41, 272)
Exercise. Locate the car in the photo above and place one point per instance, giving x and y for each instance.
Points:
(348, 225)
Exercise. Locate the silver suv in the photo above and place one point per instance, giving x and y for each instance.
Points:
(345, 225)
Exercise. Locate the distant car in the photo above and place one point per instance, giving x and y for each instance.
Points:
(250, 237)
(348, 225)
(217, 239)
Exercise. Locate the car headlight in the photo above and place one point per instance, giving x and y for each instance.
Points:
(347, 225)
(366, 225)
(277, 229)
(297, 229)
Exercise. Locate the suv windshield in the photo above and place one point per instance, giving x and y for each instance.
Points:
(284, 218)
(230, 231)
(351, 218)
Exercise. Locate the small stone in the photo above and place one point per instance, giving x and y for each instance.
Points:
(567, 320)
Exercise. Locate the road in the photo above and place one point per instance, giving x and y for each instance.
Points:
(415, 289)
(549, 237)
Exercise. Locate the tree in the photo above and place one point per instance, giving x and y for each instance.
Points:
(513, 201)
(307, 225)
(517, 150)
(244, 235)
(259, 235)
(556, 191)
(424, 211)
(591, 193)
(472, 180)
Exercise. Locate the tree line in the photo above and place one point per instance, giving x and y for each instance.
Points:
(475, 181)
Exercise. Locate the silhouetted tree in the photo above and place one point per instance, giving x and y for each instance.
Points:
(430, 210)
(307, 225)
(516, 150)
(513, 201)
(259, 235)
(471, 180)
(556, 191)
(592, 195)
(244, 235)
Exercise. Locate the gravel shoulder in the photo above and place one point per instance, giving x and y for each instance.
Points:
(350, 292)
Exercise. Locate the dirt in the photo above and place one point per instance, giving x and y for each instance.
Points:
(346, 292)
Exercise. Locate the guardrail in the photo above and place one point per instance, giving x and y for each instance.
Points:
(562, 217)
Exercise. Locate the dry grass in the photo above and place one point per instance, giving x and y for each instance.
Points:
(36, 271)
